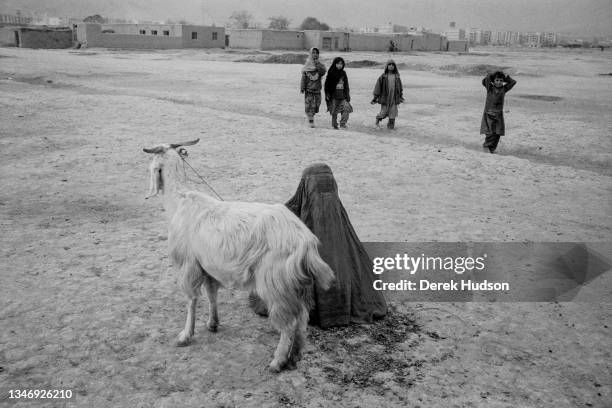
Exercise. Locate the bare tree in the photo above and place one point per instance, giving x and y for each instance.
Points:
(240, 19)
(345, 29)
(311, 23)
(181, 21)
(96, 18)
(279, 23)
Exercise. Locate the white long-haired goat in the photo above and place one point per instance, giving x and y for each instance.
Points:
(261, 248)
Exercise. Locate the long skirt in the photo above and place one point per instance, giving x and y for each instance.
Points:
(312, 101)
(491, 141)
(387, 110)
(492, 123)
(342, 107)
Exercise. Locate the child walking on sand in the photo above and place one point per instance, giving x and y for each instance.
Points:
(388, 91)
(312, 72)
(337, 93)
(492, 124)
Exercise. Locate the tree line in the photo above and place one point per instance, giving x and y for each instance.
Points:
(242, 19)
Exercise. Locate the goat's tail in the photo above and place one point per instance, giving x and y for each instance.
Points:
(285, 283)
(316, 266)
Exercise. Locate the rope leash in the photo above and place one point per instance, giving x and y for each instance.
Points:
(201, 178)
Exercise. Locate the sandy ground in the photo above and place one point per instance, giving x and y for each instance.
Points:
(88, 301)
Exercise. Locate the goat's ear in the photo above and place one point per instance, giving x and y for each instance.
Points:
(190, 143)
(182, 152)
(156, 149)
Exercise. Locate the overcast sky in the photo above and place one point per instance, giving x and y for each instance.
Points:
(584, 17)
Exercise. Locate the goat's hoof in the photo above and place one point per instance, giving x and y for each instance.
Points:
(295, 357)
(183, 340)
(212, 327)
(274, 367)
(291, 365)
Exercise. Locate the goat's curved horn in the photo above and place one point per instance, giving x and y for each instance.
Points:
(175, 145)
(156, 149)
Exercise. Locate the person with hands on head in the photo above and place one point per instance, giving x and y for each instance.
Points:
(492, 124)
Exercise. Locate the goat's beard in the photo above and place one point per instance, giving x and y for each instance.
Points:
(157, 183)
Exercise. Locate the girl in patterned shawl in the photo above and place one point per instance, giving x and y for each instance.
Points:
(310, 86)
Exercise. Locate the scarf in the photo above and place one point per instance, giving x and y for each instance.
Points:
(310, 65)
(334, 75)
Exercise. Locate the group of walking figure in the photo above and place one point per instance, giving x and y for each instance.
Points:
(388, 92)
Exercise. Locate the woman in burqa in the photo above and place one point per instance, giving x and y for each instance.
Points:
(352, 298)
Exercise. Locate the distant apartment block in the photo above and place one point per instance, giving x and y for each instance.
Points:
(453, 33)
(505, 38)
(47, 20)
(418, 30)
(389, 28)
(531, 39)
(500, 37)
(474, 36)
(515, 38)
(549, 39)
(12, 19)
(392, 28)
(368, 29)
(478, 36)
(486, 37)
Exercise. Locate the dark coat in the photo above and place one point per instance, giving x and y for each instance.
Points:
(351, 298)
(495, 96)
(381, 89)
(334, 75)
(493, 115)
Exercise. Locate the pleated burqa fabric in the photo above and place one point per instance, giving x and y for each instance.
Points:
(351, 299)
